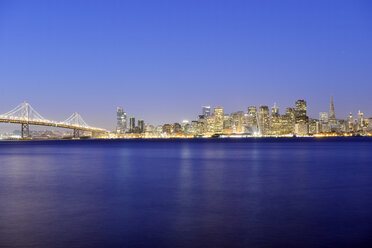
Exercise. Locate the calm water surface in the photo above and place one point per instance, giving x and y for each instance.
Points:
(187, 193)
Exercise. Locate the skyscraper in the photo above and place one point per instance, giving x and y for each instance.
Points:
(351, 123)
(275, 121)
(252, 119)
(332, 114)
(274, 110)
(206, 110)
(360, 120)
(218, 119)
(263, 120)
(141, 126)
(121, 120)
(323, 117)
(288, 121)
(132, 124)
(301, 116)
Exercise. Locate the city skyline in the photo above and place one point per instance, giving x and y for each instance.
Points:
(129, 122)
(162, 60)
(208, 110)
(255, 121)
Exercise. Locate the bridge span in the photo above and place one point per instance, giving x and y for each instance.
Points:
(25, 115)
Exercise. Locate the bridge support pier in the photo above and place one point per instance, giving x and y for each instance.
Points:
(25, 130)
(76, 133)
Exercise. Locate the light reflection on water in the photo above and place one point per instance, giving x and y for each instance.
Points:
(185, 193)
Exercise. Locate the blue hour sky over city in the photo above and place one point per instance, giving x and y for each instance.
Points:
(163, 60)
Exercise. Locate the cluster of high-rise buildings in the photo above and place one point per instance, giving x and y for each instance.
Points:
(255, 122)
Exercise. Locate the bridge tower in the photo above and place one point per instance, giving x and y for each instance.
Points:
(76, 121)
(76, 133)
(25, 130)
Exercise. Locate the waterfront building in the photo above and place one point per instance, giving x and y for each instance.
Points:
(288, 121)
(177, 128)
(286, 125)
(121, 120)
(141, 126)
(263, 120)
(194, 127)
(237, 122)
(226, 121)
(301, 128)
(218, 119)
(201, 128)
(186, 128)
(149, 128)
(314, 126)
(203, 124)
(323, 117)
(209, 124)
(325, 128)
(158, 130)
(167, 129)
(132, 124)
(344, 125)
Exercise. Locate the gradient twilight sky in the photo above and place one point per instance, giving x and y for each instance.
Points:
(162, 60)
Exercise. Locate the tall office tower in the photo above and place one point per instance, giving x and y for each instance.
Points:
(332, 114)
(274, 110)
(252, 119)
(218, 119)
(177, 127)
(167, 128)
(209, 124)
(132, 124)
(121, 120)
(202, 125)
(291, 113)
(323, 117)
(263, 120)
(275, 121)
(238, 121)
(141, 126)
(314, 126)
(287, 121)
(301, 112)
(360, 120)
(206, 110)
(185, 126)
(351, 123)
(226, 121)
(194, 127)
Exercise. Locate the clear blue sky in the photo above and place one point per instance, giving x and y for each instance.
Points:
(162, 60)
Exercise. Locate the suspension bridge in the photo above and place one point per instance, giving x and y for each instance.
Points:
(26, 115)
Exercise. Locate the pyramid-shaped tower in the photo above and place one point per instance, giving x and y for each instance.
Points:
(332, 114)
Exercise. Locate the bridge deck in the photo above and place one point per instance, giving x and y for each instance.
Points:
(52, 124)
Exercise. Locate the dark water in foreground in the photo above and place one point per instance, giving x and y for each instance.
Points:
(187, 193)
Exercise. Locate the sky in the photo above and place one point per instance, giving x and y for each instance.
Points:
(163, 60)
